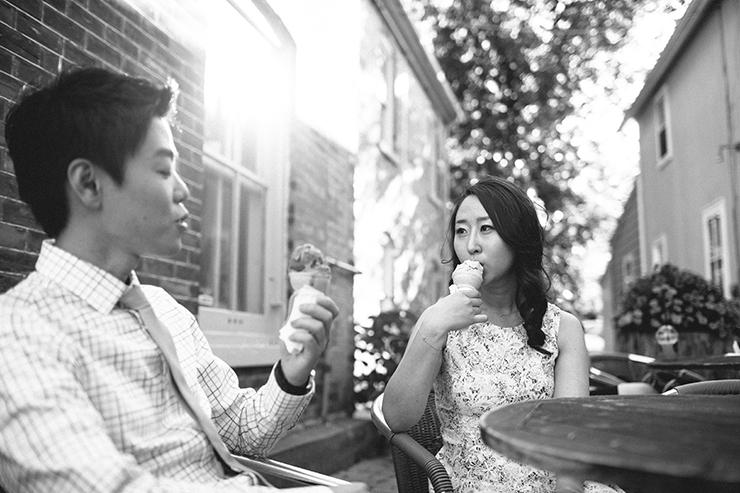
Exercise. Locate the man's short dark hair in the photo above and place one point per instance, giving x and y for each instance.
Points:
(84, 113)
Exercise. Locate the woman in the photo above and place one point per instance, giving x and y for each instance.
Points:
(482, 349)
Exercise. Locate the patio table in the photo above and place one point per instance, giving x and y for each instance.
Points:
(653, 443)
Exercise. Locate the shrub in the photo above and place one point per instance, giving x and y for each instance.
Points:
(679, 298)
(378, 351)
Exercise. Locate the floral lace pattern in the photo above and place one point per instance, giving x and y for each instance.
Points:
(488, 366)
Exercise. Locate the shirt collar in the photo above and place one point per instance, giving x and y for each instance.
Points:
(98, 288)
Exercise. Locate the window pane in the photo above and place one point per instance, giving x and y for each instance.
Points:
(250, 285)
(226, 269)
(209, 232)
(234, 92)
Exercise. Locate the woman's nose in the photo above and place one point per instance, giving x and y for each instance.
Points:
(473, 244)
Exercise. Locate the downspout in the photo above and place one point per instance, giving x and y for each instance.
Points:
(731, 146)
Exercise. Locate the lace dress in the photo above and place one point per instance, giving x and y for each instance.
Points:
(487, 366)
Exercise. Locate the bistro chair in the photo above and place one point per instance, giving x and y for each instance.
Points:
(630, 367)
(414, 451)
(707, 387)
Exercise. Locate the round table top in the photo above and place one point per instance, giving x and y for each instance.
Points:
(673, 443)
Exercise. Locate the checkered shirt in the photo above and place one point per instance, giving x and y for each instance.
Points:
(86, 399)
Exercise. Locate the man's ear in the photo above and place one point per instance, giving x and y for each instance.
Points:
(83, 178)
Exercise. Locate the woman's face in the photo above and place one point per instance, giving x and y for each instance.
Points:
(476, 239)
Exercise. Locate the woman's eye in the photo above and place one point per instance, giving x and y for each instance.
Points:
(486, 228)
(165, 172)
(460, 231)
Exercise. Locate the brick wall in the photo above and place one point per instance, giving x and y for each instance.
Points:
(321, 213)
(37, 38)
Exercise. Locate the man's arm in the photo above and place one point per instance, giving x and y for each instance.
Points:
(51, 436)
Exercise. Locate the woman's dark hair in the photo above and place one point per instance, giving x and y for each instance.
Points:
(515, 219)
(84, 113)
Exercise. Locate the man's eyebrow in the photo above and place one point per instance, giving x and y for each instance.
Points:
(166, 153)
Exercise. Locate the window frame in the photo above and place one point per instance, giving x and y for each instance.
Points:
(629, 263)
(717, 209)
(659, 252)
(240, 338)
(662, 105)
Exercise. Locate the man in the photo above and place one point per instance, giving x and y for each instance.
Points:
(89, 396)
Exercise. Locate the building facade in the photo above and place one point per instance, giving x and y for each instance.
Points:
(684, 209)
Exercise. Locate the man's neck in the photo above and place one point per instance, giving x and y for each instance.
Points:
(85, 245)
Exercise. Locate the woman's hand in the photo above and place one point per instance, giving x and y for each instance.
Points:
(456, 311)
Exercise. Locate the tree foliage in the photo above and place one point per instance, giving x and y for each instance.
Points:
(516, 67)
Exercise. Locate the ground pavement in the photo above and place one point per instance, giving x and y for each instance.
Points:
(376, 472)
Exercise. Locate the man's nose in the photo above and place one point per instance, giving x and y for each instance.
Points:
(182, 192)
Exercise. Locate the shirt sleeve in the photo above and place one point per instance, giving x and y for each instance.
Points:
(51, 436)
(250, 421)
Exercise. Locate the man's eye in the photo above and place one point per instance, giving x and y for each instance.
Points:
(165, 172)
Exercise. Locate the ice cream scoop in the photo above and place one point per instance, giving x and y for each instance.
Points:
(309, 276)
(468, 274)
(308, 267)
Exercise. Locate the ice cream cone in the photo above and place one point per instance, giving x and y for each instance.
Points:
(309, 276)
(468, 274)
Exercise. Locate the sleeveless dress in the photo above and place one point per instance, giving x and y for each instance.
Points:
(487, 366)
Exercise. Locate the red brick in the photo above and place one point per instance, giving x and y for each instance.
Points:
(64, 25)
(81, 16)
(110, 16)
(8, 280)
(39, 33)
(18, 214)
(31, 7)
(13, 236)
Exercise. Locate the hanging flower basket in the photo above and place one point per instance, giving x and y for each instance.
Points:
(682, 299)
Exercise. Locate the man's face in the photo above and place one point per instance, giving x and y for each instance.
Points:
(145, 215)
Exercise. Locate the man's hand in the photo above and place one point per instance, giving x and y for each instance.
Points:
(314, 332)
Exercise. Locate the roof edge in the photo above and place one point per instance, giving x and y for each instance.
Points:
(425, 67)
(684, 32)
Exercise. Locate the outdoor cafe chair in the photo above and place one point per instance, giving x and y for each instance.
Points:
(707, 387)
(414, 451)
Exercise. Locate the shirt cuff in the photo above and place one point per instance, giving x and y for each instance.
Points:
(289, 388)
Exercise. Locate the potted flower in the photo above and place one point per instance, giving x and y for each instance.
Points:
(706, 322)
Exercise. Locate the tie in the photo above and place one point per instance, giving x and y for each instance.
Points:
(135, 299)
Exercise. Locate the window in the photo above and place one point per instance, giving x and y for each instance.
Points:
(247, 120)
(662, 129)
(389, 105)
(437, 163)
(716, 253)
(394, 106)
(629, 271)
(659, 252)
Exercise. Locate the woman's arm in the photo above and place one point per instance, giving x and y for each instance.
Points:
(407, 390)
(571, 367)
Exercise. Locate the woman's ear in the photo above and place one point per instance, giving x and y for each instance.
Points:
(83, 178)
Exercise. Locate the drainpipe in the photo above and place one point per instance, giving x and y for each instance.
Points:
(730, 145)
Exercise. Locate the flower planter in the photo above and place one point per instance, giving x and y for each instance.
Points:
(690, 344)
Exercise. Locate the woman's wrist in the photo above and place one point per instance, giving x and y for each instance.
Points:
(432, 338)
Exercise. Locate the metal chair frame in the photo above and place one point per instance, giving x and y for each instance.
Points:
(730, 386)
(414, 451)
